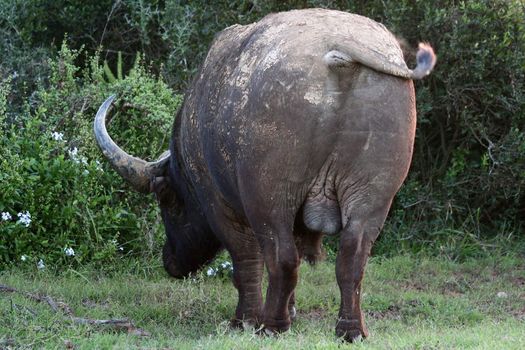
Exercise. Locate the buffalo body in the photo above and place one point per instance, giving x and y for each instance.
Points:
(296, 126)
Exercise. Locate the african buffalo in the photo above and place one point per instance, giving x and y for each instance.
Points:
(299, 125)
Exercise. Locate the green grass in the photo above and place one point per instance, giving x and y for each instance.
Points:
(411, 303)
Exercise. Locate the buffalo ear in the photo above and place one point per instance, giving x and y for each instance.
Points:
(166, 197)
(159, 184)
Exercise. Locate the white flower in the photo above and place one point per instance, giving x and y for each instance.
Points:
(99, 167)
(15, 74)
(227, 265)
(23, 257)
(69, 251)
(211, 272)
(57, 136)
(24, 218)
(85, 172)
(6, 216)
(73, 152)
(40, 265)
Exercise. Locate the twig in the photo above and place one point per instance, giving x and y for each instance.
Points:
(55, 306)
(127, 105)
(7, 342)
(119, 324)
(113, 8)
(7, 289)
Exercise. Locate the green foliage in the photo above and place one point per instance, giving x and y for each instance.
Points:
(465, 191)
(52, 168)
(4, 91)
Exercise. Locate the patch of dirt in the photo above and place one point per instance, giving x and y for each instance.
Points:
(415, 286)
(454, 288)
(393, 312)
(519, 314)
(415, 303)
(518, 281)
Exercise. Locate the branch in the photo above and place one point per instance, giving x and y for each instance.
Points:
(118, 324)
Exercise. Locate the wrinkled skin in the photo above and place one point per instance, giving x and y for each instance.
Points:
(275, 147)
(256, 154)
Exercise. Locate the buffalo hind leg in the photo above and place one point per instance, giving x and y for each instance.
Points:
(282, 262)
(355, 244)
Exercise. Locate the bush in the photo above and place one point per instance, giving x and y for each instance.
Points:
(56, 190)
(467, 180)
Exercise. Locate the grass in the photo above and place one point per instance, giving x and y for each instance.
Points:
(411, 303)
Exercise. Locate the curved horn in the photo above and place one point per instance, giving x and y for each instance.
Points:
(135, 171)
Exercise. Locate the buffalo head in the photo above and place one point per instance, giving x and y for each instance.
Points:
(194, 245)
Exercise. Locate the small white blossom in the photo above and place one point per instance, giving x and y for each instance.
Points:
(211, 272)
(24, 218)
(69, 251)
(85, 172)
(99, 166)
(15, 74)
(6, 216)
(227, 265)
(40, 265)
(57, 136)
(23, 257)
(73, 153)
(121, 249)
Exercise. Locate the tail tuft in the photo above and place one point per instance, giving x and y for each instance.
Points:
(426, 59)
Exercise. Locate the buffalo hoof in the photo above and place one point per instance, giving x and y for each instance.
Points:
(267, 332)
(245, 325)
(350, 330)
(274, 328)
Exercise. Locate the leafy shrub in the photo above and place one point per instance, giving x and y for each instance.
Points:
(56, 190)
(466, 183)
